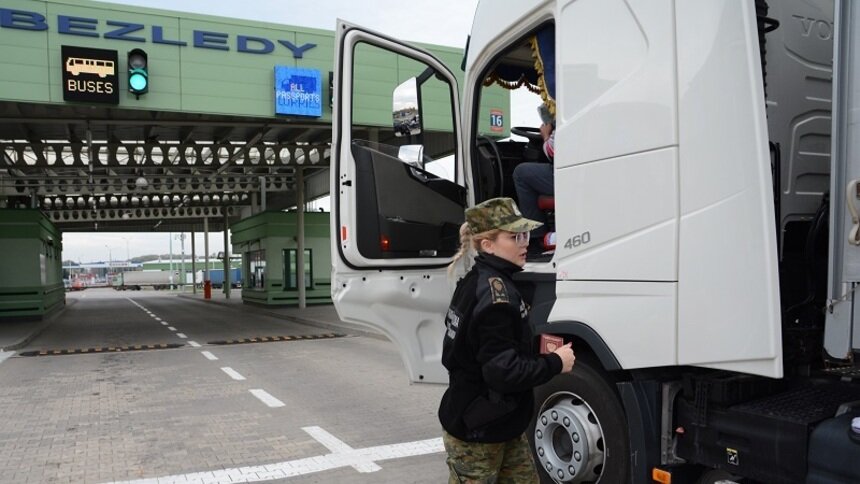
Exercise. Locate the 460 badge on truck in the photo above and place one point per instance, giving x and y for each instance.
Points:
(578, 240)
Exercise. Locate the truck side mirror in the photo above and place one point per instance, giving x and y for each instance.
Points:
(407, 117)
(412, 155)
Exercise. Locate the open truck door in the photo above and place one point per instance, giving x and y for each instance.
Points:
(398, 193)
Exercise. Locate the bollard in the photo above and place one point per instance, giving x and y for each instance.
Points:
(207, 289)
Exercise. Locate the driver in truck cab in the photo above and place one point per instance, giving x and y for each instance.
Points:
(488, 352)
(533, 179)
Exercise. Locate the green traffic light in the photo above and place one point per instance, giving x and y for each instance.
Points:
(137, 81)
(138, 73)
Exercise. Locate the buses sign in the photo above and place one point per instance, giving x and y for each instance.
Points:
(90, 75)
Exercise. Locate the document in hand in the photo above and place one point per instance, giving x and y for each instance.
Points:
(550, 343)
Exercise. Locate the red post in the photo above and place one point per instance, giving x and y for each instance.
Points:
(207, 289)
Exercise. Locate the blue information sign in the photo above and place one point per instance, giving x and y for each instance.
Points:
(298, 91)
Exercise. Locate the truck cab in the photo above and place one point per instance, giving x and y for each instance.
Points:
(699, 270)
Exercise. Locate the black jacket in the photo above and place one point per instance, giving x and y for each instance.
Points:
(489, 353)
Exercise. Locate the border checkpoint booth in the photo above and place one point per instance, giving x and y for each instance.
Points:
(268, 244)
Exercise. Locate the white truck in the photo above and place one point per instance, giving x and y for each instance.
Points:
(136, 280)
(706, 222)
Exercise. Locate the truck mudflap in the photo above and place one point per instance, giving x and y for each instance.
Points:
(642, 408)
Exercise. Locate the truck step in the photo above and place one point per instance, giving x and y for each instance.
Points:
(847, 373)
(806, 405)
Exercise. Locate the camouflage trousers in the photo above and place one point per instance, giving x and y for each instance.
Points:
(476, 463)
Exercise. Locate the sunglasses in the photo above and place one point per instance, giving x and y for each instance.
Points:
(521, 238)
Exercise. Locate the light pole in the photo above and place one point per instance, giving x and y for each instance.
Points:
(170, 239)
(182, 260)
(110, 262)
(181, 237)
(127, 256)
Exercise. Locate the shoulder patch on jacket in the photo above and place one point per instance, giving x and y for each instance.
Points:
(498, 291)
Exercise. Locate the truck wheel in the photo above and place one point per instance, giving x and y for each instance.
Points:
(579, 433)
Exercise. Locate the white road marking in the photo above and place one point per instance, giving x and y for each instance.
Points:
(164, 323)
(194, 344)
(5, 354)
(264, 397)
(181, 335)
(156, 318)
(337, 446)
(308, 465)
(171, 328)
(232, 373)
(209, 356)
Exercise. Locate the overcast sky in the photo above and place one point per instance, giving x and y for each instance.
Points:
(442, 22)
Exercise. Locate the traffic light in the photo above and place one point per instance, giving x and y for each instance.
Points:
(138, 72)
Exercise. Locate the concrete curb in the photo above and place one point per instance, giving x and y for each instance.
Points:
(341, 326)
(40, 326)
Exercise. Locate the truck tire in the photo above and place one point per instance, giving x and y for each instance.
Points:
(579, 431)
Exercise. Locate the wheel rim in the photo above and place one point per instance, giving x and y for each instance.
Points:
(569, 442)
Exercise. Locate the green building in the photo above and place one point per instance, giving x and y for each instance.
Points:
(267, 242)
(31, 282)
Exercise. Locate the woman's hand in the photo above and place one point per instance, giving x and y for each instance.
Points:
(567, 357)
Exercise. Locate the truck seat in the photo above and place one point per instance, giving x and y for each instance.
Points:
(546, 203)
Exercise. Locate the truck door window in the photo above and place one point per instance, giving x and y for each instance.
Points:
(377, 76)
(409, 197)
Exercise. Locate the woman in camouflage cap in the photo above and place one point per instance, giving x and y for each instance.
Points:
(488, 351)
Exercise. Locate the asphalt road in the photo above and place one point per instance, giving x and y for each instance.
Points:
(315, 409)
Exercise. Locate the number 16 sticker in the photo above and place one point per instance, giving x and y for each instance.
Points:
(497, 120)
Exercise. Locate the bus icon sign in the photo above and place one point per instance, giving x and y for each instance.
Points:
(90, 75)
(102, 68)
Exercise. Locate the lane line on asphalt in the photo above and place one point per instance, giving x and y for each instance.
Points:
(164, 323)
(181, 335)
(308, 465)
(194, 344)
(209, 356)
(337, 446)
(4, 355)
(232, 373)
(171, 328)
(266, 398)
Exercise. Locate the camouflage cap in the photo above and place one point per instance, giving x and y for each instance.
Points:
(498, 213)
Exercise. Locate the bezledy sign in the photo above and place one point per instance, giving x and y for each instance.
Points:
(132, 32)
(89, 75)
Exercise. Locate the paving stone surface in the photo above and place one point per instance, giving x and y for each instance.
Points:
(172, 415)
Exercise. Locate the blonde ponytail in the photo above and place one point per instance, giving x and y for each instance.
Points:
(465, 248)
(470, 243)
